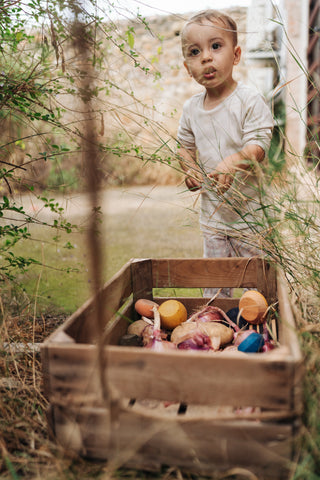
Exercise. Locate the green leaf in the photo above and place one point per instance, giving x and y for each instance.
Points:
(130, 38)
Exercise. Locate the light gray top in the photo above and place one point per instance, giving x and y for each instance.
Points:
(243, 118)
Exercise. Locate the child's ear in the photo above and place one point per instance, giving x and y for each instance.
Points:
(237, 55)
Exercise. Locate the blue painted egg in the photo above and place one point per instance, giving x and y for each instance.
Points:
(252, 344)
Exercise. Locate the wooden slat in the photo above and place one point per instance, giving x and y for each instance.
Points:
(201, 272)
(141, 274)
(288, 336)
(201, 378)
(114, 293)
(200, 446)
(267, 281)
(71, 374)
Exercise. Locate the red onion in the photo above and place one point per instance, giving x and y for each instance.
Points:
(268, 346)
(212, 314)
(196, 341)
(241, 335)
(153, 335)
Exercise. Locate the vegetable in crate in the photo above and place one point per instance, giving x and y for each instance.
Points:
(253, 307)
(172, 313)
(201, 335)
(152, 335)
(137, 327)
(252, 343)
(144, 307)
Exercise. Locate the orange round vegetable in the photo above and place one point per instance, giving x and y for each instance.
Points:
(144, 307)
(253, 307)
(172, 313)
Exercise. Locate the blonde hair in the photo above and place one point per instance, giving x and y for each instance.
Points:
(212, 16)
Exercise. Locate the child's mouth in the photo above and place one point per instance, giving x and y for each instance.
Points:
(209, 74)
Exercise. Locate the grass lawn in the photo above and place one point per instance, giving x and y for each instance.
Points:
(137, 223)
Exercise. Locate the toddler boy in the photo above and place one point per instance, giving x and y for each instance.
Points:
(224, 132)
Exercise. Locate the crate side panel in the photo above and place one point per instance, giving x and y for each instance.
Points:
(288, 336)
(217, 272)
(118, 326)
(201, 446)
(83, 430)
(114, 293)
(201, 378)
(267, 280)
(73, 375)
(204, 446)
(141, 272)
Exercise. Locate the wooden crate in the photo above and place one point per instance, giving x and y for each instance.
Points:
(176, 408)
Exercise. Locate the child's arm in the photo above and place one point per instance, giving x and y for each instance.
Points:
(224, 173)
(189, 165)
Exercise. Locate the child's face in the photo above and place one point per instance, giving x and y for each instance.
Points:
(210, 54)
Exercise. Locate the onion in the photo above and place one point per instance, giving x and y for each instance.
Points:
(268, 346)
(153, 336)
(202, 335)
(198, 341)
(213, 314)
(241, 335)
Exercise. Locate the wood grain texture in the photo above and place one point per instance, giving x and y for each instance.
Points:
(114, 293)
(201, 377)
(200, 446)
(221, 272)
(288, 336)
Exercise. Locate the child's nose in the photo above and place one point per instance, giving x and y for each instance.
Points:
(206, 55)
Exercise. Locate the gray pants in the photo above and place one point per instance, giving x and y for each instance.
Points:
(225, 246)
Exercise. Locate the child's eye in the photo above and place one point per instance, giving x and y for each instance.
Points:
(194, 51)
(215, 46)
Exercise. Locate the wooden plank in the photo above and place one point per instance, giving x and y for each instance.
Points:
(288, 336)
(201, 377)
(201, 272)
(200, 446)
(287, 324)
(141, 274)
(114, 293)
(267, 281)
(118, 326)
(198, 378)
(83, 430)
(71, 374)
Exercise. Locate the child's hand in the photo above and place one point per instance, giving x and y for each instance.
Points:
(192, 181)
(224, 173)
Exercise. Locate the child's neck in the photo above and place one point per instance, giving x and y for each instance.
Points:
(216, 96)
